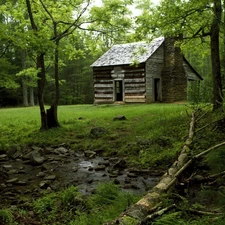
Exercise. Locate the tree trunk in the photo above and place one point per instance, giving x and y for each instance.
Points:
(24, 86)
(25, 94)
(52, 113)
(41, 74)
(31, 96)
(215, 56)
(41, 85)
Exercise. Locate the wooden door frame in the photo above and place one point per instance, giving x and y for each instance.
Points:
(114, 89)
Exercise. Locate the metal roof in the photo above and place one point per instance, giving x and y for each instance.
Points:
(125, 54)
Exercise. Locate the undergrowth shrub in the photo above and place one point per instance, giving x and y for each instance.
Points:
(6, 217)
(216, 160)
(70, 207)
(107, 203)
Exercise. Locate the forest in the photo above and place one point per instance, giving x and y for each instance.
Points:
(71, 35)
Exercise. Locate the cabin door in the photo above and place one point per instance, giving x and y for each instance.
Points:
(118, 90)
(157, 89)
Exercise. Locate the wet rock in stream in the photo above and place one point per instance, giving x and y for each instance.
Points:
(54, 168)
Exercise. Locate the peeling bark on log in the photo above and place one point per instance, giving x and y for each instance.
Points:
(139, 211)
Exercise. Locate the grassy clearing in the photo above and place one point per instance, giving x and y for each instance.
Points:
(148, 131)
(151, 137)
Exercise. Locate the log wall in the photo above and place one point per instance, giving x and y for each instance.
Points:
(133, 79)
(103, 85)
(134, 84)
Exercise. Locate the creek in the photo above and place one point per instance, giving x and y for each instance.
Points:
(37, 170)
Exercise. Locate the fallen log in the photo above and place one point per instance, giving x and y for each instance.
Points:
(139, 211)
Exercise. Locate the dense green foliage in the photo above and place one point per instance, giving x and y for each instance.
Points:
(98, 29)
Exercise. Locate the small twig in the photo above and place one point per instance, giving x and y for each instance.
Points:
(199, 212)
(215, 175)
(208, 150)
(156, 214)
(208, 125)
(203, 115)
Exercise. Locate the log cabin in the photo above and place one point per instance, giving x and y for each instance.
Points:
(142, 73)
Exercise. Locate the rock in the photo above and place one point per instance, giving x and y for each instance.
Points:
(49, 150)
(12, 151)
(41, 174)
(98, 131)
(43, 185)
(36, 158)
(89, 153)
(116, 181)
(100, 167)
(21, 182)
(105, 163)
(13, 180)
(113, 173)
(3, 185)
(132, 175)
(74, 169)
(121, 164)
(119, 117)
(13, 171)
(7, 167)
(131, 186)
(3, 157)
(17, 155)
(45, 167)
(61, 150)
(50, 177)
(36, 148)
(89, 181)
(127, 181)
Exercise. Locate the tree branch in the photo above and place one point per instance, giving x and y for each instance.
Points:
(5, 50)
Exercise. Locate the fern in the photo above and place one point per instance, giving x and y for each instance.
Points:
(170, 219)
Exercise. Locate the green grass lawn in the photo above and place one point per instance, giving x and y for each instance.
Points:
(158, 125)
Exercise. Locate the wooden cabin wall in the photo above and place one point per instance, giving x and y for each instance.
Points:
(134, 84)
(154, 67)
(133, 78)
(190, 74)
(103, 85)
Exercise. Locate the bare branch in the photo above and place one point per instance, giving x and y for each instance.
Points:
(5, 50)
(72, 25)
(47, 11)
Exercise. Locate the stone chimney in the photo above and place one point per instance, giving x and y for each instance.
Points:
(174, 80)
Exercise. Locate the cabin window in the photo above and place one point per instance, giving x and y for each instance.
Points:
(118, 90)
